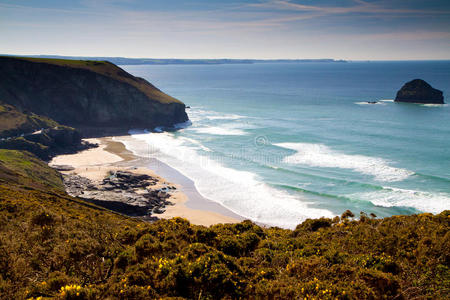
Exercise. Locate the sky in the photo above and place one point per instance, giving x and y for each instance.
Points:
(260, 29)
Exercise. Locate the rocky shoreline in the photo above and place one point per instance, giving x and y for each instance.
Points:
(131, 194)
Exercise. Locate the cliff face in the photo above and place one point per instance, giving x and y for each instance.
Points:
(86, 93)
(419, 91)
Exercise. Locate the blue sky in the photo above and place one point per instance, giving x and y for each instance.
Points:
(340, 29)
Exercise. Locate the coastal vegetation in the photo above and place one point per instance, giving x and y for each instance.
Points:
(56, 246)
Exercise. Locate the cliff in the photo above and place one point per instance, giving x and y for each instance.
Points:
(419, 91)
(86, 94)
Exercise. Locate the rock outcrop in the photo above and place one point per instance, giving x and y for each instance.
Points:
(86, 93)
(36, 134)
(419, 91)
(125, 192)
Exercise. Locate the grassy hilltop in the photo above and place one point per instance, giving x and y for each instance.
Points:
(108, 69)
(56, 246)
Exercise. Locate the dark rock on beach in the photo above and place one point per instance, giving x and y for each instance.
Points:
(63, 168)
(125, 192)
(419, 91)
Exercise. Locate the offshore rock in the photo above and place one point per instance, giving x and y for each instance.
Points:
(419, 91)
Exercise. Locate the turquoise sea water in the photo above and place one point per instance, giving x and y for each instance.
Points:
(279, 143)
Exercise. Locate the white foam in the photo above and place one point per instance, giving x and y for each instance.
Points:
(318, 155)
(225, 117)
(219, 130)
(367, 103)
(434, 105)
(421, 200)
(183, 125)
(387, 100)
(197, 114)
(239, 191)
(197, 143)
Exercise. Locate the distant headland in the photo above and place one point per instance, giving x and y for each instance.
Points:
(177, 61)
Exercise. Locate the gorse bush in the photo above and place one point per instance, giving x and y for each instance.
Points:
(55, 246)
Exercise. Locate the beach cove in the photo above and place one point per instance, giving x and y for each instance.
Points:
(111, 156)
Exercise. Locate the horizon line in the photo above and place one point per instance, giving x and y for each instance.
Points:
(222, 58)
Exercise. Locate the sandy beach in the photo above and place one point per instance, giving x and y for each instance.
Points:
(112, 155)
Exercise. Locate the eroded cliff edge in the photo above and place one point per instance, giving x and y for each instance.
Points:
(95, 94)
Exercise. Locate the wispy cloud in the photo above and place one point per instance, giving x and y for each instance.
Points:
(360, 6)
(237, 28)
(27, 8)
(406, 36)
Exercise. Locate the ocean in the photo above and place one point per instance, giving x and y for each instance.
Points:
(279, 143)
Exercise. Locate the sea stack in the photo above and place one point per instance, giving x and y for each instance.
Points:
(419, 91)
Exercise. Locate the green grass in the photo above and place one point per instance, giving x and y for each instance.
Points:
(27, 170)
(108, 69)
(56, 246)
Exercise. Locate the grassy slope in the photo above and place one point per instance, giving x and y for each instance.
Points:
(25, 169)
(13, 122)
(110, 70)
(50, 241)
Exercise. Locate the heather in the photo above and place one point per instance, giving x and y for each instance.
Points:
(56, 246)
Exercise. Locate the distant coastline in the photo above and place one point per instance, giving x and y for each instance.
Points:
(176, 61)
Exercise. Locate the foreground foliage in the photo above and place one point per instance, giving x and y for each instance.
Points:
(55, 246)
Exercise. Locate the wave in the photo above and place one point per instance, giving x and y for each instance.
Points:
(390, 197)
(367, 103)
(318, 155)
(299, 189)
(219, 130)
(434, 105)
(386, 100)
(421, 200)
(239, 191)
(183, 125)
(225, 117)
(433, 177)
(197, 114)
